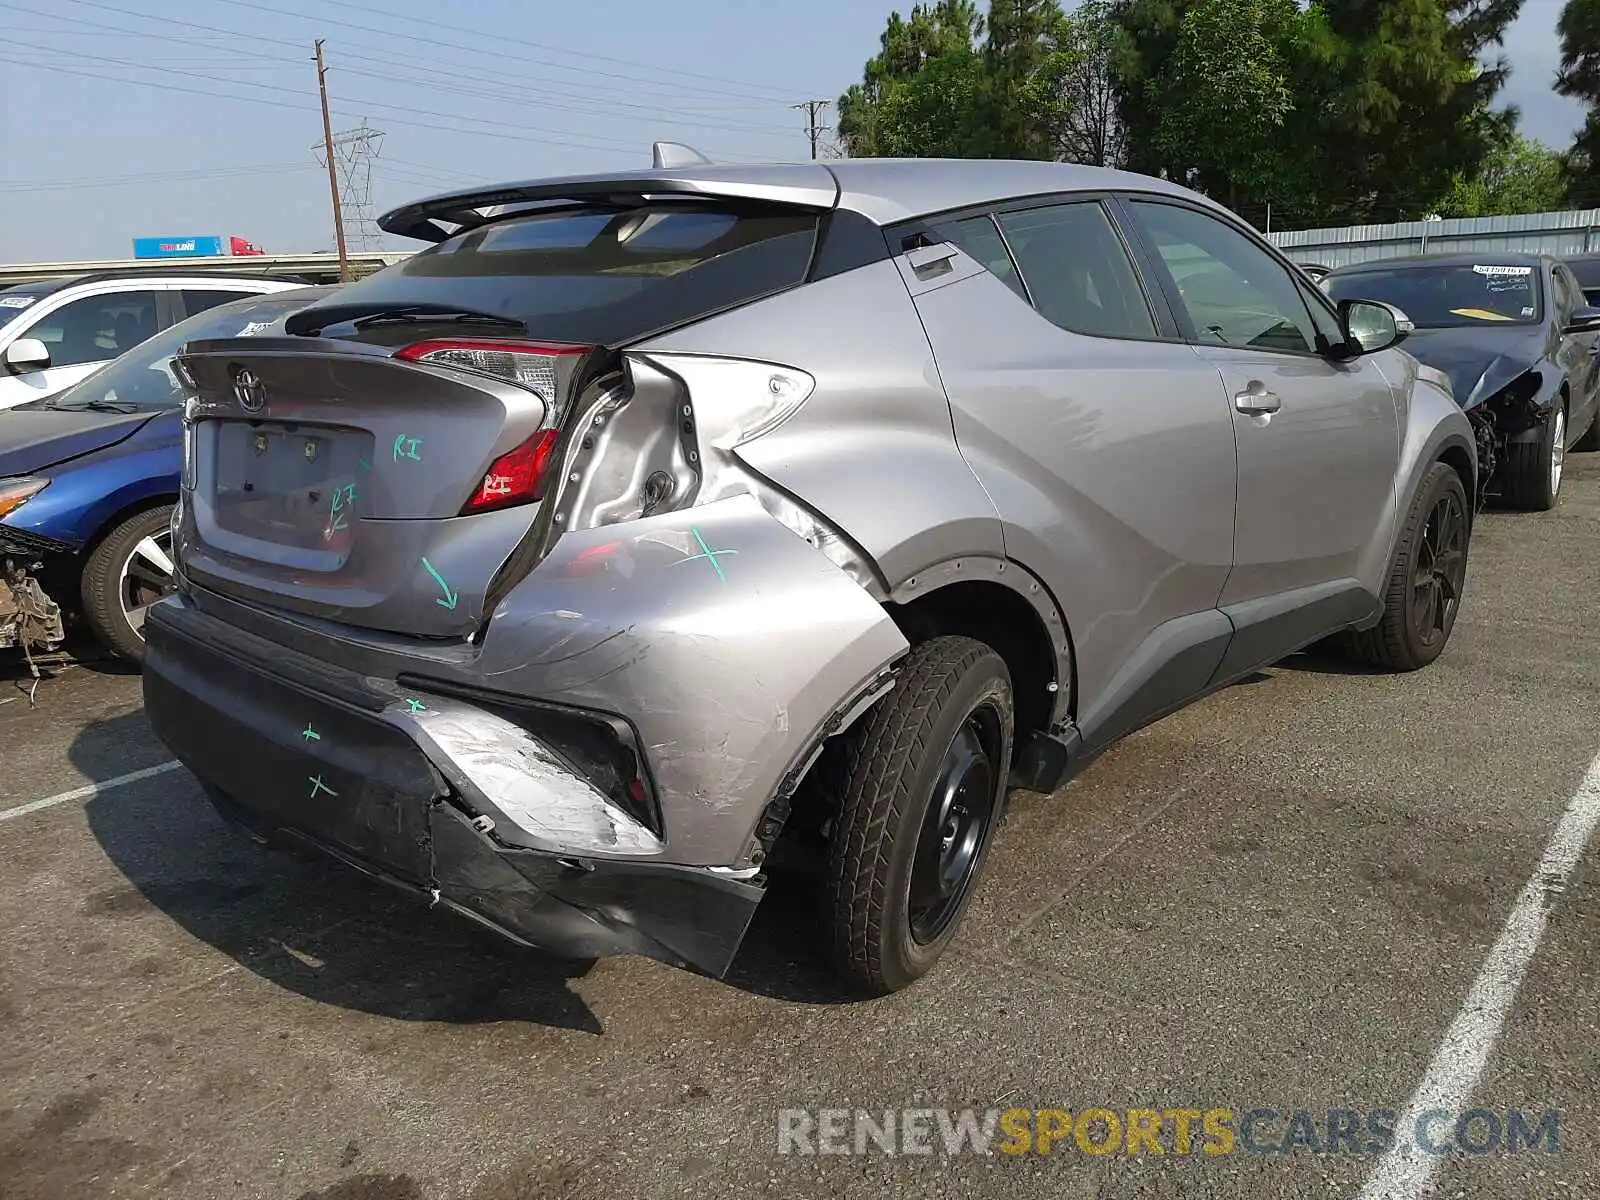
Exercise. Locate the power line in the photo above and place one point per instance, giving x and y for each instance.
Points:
(435, 41)
(51, 185)
(498, 37)
(517, 131)
(386, 56)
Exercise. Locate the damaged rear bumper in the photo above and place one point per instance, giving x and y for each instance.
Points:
(297, 749)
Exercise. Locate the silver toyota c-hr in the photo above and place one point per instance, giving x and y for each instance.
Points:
(556, 571)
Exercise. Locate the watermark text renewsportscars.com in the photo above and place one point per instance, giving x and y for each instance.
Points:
(1162, 1131)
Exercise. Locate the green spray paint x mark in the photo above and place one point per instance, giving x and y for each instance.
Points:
(707, 553)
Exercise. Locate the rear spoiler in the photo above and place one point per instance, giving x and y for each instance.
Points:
(439, 217)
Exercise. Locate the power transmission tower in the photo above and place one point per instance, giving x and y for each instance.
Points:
(812, 108)
(353, 152)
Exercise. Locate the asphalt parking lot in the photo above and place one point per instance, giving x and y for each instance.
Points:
(1279, 898)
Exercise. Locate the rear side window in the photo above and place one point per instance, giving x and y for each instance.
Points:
(978, 238)
(197, 300)
(1077, 270)
(604, 275)
(97, 328)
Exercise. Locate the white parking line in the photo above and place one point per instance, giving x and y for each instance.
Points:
(87, 790)
(1406, 1172)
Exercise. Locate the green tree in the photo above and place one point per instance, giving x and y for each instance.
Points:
(1226, 96)
(948, 81)
(1579, 28)
(1090, 127)
(1520, 176)
(1391, 102)
(1413, 108)
(935, 48)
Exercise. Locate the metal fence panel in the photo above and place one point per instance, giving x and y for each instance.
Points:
(1574, 232)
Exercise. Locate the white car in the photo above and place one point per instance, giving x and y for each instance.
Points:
(55, 332)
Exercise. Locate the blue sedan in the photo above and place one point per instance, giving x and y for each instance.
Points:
(88, 477)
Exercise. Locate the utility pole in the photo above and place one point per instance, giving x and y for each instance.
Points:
(333, 178)
(812, 108)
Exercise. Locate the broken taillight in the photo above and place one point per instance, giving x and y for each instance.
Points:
(528, 364)
(516, 477)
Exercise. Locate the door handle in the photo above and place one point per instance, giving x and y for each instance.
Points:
(1256, 400)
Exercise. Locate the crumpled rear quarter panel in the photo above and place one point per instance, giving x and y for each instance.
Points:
(725, 639)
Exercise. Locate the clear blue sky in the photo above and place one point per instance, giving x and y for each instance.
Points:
(465, 91)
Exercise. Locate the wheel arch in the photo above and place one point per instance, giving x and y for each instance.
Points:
(1004, 605)
(128, 508)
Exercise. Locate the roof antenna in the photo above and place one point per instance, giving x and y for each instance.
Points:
(667, 155)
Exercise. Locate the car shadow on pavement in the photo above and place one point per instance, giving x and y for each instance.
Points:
(314, 927)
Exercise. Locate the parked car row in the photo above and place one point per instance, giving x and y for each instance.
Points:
(1520, 342)
(89, 457)
(640, 521)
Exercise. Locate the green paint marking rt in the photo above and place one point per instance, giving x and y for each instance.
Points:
(449, 599)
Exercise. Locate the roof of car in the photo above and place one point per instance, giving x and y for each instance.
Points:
(47, 287)
(885, 190)
(1507, 258)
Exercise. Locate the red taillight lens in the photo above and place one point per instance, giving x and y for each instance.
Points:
(530, 364)
(516, 477)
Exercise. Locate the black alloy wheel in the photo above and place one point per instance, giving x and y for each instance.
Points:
(1441, 571)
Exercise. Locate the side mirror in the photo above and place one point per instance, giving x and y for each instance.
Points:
(1370, 325)
(1584, 320)
(27, 354)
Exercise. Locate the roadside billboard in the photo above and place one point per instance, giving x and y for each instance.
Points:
(209, 245)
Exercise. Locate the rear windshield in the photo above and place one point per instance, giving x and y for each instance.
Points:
(601, 275)
(1484, 293)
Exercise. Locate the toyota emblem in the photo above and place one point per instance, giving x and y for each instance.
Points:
(249, 390)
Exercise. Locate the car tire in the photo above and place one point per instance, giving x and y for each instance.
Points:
(1417, 620)
(924, 789)
(123, 575)
(1533, 469)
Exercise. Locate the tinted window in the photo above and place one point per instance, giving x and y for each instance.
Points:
(1077, 271)
(1441, 297)
(15, 301)
(1236, 293)
(143, 380)
(979, 239)
(197, 300)
(96, 328)
(598, 275)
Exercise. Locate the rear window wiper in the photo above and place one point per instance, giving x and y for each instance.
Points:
(312, 321)
(110, 406)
